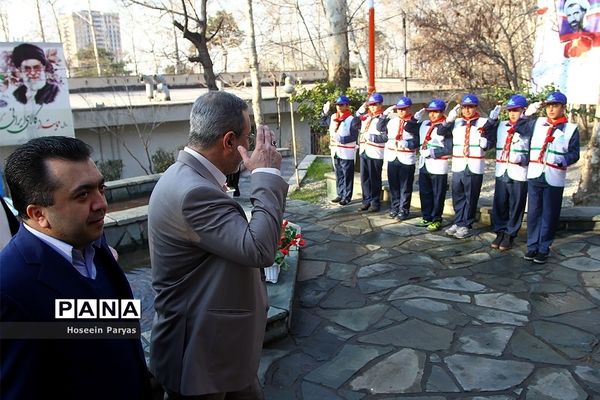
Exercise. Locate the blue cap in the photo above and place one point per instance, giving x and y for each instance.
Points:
(556, 97)
(403, 102)
(516, 101)
(375, 98)
(436, 105)
(469, 100)
(342, 100)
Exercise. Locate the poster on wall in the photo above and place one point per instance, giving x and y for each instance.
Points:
(567, 51)
(34, 93)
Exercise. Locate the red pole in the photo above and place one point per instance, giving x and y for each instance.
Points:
(371, 86)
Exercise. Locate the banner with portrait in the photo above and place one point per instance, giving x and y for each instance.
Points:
(567, 50)
(34, 92)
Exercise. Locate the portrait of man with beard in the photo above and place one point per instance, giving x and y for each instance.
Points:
(32, 66)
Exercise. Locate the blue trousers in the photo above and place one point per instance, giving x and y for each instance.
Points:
(508, 206)
(432, 192)
(543, 212)
(400, 178)
(466, 187)
(370, 180)
(344, 178)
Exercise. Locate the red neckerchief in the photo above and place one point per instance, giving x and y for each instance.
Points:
(371, 117)
(401, 126)
(507, 143)
(468, 133)
(549, 138)
(428, 135)
(339, 118)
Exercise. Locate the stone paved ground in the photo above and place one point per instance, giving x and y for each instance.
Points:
(386, 310)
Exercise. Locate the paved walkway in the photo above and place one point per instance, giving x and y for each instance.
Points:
(386, 310)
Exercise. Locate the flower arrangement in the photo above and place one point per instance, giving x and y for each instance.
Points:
(289, 238)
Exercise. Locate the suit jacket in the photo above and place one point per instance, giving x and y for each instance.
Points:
(211, 304)
(32, 276)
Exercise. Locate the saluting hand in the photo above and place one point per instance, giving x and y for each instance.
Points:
(265, 154)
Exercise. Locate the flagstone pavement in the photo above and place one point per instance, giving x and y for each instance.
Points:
(386, 310)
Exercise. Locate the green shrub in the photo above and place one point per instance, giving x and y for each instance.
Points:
(161, 160)
(112, 170)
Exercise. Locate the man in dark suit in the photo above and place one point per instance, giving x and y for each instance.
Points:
(211, 303)
(60, 252)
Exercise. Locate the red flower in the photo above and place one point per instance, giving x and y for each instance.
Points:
(289, 237)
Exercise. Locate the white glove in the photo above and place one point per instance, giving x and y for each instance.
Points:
(483, 142)
(560, 161)
(326, 108)
(495, 113)
(516, 137)
(426, 153)
(335, 137)
(389, 110)
(516, 158)
(453, 113)
(533, 108)
(403, 144)
(362, 109)
(419, 115)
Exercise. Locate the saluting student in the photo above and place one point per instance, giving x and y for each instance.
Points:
(554, 146)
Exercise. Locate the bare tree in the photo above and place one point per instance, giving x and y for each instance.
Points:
(475, 43)
(338, 66)
(193, 28)
(588, 192)
(254, 71)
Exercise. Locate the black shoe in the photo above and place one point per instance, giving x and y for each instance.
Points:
(496, 243)
(364, 207)
(236, 193)
(506, 243)
(402, 216)
(336, 200)
(530, 255)
(393, 214)
(374, 209)
(541, 258)
(344, 202)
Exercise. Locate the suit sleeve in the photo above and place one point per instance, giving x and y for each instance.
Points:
(223, 231)
(572, 155)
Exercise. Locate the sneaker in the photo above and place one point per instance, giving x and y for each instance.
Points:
(434, 226)
(364, 207)
(462, 232)
(336, 200)
(402, 216)
(423, 222)
(452, 230)
(393, 214)
(344, 202)
(507, 243)
(540, 258)
(496, 243)
(374, 209)
(530, 255)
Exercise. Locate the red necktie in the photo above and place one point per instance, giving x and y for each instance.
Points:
(401, 127)
(507, 143)
(428, 135)
(468, 134)
(549, 138)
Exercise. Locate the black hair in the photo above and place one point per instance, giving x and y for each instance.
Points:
(27, 173)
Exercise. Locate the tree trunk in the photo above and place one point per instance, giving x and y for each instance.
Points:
(203, 57)
(254, 72)
(338, 66)
(588, 192)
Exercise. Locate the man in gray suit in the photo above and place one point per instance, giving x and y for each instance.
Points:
(211, 303)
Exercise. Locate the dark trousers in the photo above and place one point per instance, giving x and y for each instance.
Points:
(432, 192)
(400, 178)
(344, 178)
(543, 212)
(252, 392)
(370, 180)
(508, 206)
(466, 187)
